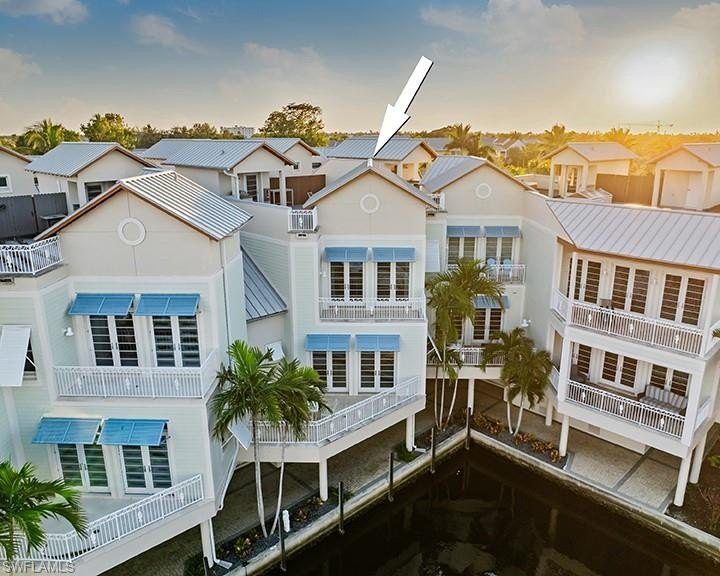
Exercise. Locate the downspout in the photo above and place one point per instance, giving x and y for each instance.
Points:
(223, 260)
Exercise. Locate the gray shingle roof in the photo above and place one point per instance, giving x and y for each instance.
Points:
(361, 147)
(261, 298)
(670, 236)
(446, 169)
(69, 158)
(361, 170)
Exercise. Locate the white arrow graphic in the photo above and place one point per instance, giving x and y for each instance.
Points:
(396, 116)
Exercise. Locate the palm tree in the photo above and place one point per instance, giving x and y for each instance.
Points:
(451, 294)
(255, 387)
(525, 372)
(461, 138)
(621, 136)
(26, 501)
(554, 138)
(44, 135)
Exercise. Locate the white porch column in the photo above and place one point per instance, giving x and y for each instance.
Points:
(564, 433)
(564, 372)
(563, 185)
(583, 180)
(656, 187)
(323, 479)
(208, 542)
(698, 454)
(410, 433)
(549, 413)
(682, 480)
(471, 395)
(283, 189)
(551, 184)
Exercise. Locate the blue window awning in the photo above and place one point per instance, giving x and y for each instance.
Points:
(502, 231)
(465, 232)
(101, 305)
(487, 302)
(378, 342)
(168, 305)
(346, 254)
(393, 254)
(327, 342)
(117, 432)
(66, 431)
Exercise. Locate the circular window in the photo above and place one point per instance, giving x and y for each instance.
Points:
(483, 191)
(370, 203)
(131, 231)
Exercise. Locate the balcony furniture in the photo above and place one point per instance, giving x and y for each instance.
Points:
(665, 399)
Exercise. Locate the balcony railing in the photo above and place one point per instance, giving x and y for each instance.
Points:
(29, 259)
(136, 382)
(302, 220)
(634, 411)
(472, 356)
(343, 421)
(661, 333)
(508, 273)
(439, 199)
(71, 546)
(372, 309)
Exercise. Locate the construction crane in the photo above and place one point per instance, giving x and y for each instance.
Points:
(657, 125)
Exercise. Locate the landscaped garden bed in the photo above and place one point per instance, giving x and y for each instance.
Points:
(240, 549)
(702, 500)
(524, 441)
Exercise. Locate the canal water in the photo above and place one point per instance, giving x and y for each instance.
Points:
(481, 515)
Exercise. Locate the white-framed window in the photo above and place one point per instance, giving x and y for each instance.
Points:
(93, 190)
(499, 250)
(630, 289)
(316, 165)
(669, 379)
(146, 468)
(30, 370)
(5, 185)
(587, 281)
(619, 370)
(486, 323)
(332, 366)
(83, 466)
(377, 370)
(682, 299)
(113, 341)
(393, 280)
(347, 280)
(296, 166)
(460, 248)
(176, 341)
(251, 185)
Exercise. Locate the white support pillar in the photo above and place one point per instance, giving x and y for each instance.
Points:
(549, 413)
(682, 480)
(656, 187)
(471, 395)
(208, 542)
(564, 433)
(410, 433)
(323, 479)
(283, 189)
(698, 455)
(551, 184)
(563, 185)
(565, 365)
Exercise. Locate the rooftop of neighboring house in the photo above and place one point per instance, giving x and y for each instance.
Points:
(678, 237)
(179, 197)
(15, 154)
(597, 151)
(67, 159)
(170, 147)
(261, 298)
(214, 154)
(708, 152)
(447, 169)
(363, 147)
(438, 143)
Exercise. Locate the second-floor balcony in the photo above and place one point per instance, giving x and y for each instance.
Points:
(636, 327)
(507, 273)
(368, 309)
(29, 259)
(302, 220)
(136, 381)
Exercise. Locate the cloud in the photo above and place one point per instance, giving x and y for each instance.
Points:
(278, 57)
(15, 67)
(59, 11)
(156, 30)
(513, 25)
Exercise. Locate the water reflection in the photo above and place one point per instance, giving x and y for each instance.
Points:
(481, 516)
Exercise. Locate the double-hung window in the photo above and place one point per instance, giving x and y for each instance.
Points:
(378, 359)
(392, 272)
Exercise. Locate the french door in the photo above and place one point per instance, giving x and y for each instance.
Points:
(176, 341)
(499, 250)
(332, 368)
(251, 185)
(146, 468)
(113, 340)
(587, 281)
(682, 299)
(630, 289)
(619, 370)
(347, 280)
(486, 323)
(460, 248)
(393, 280)
(83, 465)
(377, 370)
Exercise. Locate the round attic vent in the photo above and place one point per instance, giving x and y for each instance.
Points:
(483, 191)
(370, 203)
(131, 231)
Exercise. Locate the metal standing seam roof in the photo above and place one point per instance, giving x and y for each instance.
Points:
(598, 151)
(361, 170)
(167, 147)
(708, 152)
(447, 169)
(69, 158)
(662, 235)
(261, 298)
(164, 148)
(219, 154)
(362, 147)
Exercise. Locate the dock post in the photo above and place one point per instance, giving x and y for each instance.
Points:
(341, 503)
(467, 429)
(432, 450)
(391, 478)
(283, 563)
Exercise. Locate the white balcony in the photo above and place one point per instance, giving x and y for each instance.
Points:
(629, 409)
(136, 382)
(69, 546)
(348, 419)
(364, 309)
(472, 356)
(507, 273)
(302, 220)
(652, 331)
(29, 259)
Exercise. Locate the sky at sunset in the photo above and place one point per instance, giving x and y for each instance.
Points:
(499, 65)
